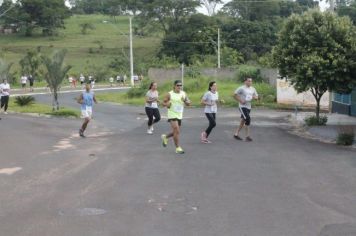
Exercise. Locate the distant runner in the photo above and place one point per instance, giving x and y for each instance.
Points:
(244, 95)
(175, 101)
(151, 107)
(86, 99)
(5, 95)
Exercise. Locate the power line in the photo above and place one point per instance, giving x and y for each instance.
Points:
(3, 14)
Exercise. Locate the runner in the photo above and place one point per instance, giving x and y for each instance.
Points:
(151, 107)
(86, 99)
(175, 101)
(244, 95)
(210, 100)
(4, 94)
(32, 80)
(82, 79)
(111, 81)
(24, 82)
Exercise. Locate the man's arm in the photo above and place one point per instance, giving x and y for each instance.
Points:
(94, 98)
(167, 101)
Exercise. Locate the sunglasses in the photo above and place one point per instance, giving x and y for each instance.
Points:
(179, 85)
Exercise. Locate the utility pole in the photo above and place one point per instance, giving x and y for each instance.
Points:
(332, 5)
(131, 56)
(219, 65)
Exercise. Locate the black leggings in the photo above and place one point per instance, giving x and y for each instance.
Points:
(4, 102)
(152, 112)
(212, 123)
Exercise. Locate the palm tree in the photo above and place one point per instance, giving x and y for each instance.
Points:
(5, 70)
(56, 72)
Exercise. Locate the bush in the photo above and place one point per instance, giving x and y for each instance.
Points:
(140, 91)
(246, 71)
(346, 136)
(24, 100)
(65, 113)
(313, 121)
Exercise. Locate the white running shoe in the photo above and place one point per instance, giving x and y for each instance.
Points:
(5, 113)
(149, 131)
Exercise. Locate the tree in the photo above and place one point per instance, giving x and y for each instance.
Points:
(166, 12)
(317, 51)
(251, 38)
(56, 72)
(45, 14)
(252, 10)
(31, 63)
(348, 10)
(5, 71)
(195, 35)
(85, 27)
(211, 5)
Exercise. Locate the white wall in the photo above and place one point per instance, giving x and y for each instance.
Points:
(286, 94)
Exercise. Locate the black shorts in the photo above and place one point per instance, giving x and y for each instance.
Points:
(31, 84)
(175, 119)
(23, 85)
(245, 115)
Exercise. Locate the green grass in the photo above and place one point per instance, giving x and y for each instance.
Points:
(112, 35)
(195, 88)
(38, 108)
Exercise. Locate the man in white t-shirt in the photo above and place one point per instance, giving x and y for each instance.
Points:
(244, 95)
(5, 95)
(24, 81)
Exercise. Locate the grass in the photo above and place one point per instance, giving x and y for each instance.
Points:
(195, 88)
(111, 34)
(38, 108)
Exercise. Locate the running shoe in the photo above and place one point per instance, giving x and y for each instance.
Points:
(81, 133)
(5, 113)
(149, 131)
(152, 129)
(164, 140)
(179, 150)
(203, 137)
(249, 139)
(237, 137)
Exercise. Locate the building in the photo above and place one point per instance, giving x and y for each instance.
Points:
(344, 103)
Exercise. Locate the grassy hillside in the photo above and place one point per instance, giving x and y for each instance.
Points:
(107, 41)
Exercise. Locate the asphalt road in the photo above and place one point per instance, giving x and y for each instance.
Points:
(121, 182)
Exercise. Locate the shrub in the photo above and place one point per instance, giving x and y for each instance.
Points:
(65, 113)
(140, 91)
(24, 100)
(246, 71)
(313, 121)
(346, 136)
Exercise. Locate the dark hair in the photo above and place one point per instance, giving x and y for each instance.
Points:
(151, 85)
(211, 85)
(247, 78)
(177, 82)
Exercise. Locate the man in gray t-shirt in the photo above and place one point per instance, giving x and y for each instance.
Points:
(244, 95)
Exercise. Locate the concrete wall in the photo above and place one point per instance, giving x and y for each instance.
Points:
(286, 94)
(162, 75)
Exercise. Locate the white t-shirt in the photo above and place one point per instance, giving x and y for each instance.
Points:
(70, 79)
(246, 94)
(23, 79)
(111, 79)
(211, 98)
(4, 89)
(152, 95)
(82, 78)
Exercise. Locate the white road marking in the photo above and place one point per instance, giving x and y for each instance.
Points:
(9, 171)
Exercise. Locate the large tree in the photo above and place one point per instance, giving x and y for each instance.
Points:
(31, 62)
(348, 10)
(45, 14)
(317, 51)
(211, 5)
(55, 74)
(166, 12)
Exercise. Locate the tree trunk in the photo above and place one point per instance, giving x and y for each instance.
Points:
(317, 111)
(55, 103)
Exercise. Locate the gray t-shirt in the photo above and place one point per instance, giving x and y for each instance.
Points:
(211, 98)
(246, 94)
(152, 95)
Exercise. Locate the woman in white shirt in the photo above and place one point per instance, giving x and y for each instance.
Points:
(210, 100)
(151, 107)
(4, 94)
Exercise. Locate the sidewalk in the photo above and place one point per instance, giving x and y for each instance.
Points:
(327, 133)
